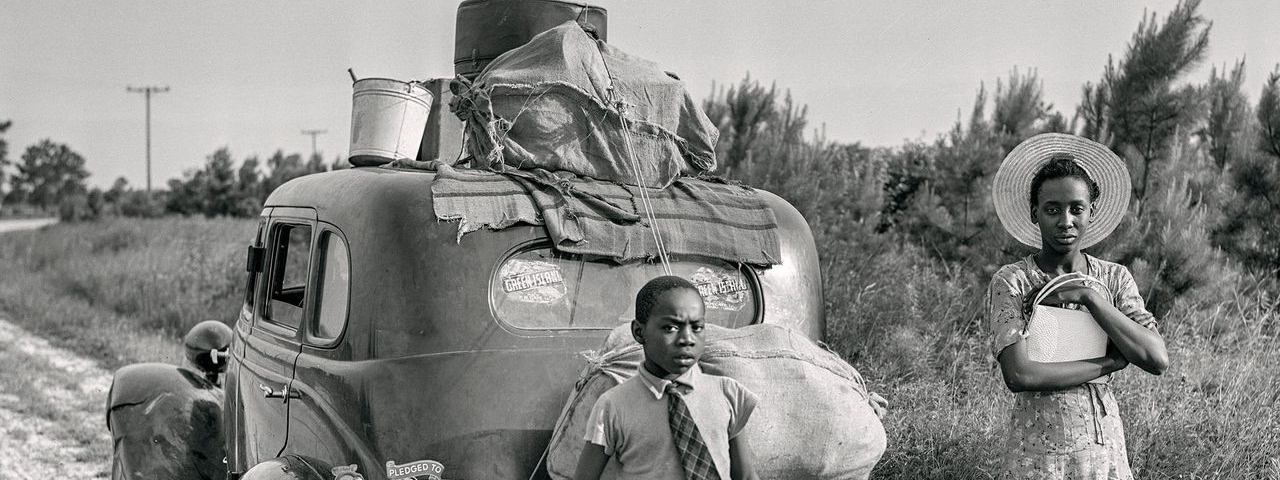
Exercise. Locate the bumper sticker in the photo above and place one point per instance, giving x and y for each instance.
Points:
(428, 469)
(721, 291)
(532, 281)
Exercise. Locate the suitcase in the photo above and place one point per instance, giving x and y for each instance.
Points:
(488, 28)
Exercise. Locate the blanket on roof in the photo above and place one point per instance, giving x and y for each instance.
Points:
(585, 216)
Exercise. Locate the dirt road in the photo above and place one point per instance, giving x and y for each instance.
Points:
(52, 422)
(25, 224)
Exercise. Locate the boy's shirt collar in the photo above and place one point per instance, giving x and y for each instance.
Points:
(658, 386)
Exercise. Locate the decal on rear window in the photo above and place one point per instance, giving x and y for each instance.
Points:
(540, 288)
(726, 290)
(532, 281)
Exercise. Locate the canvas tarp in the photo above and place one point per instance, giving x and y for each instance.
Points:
(814, 419)
(584, 216)
(565, 101)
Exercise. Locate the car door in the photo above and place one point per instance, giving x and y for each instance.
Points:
(323, 379)
(272, 345)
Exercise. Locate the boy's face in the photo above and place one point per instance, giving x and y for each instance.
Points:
(672, 336)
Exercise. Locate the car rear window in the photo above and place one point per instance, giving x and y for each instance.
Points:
(544, 289)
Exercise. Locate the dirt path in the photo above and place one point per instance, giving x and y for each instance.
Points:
(8, 225)
(52, 419)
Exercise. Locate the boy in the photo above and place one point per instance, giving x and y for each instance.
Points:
(670, 421)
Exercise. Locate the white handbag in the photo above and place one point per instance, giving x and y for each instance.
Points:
(1057, 334)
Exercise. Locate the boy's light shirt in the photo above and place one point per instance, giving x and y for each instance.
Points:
(632, 426)
(658, 386)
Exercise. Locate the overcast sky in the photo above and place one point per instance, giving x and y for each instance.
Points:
(251, 75)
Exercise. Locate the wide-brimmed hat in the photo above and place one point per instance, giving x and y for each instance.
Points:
(1011, 189)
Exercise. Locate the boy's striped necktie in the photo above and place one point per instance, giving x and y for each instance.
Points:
(694, 455)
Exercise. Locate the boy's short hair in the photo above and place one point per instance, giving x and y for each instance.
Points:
(648, 295)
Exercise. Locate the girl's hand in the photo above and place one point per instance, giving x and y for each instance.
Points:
(1118, 362)
(1078, 292)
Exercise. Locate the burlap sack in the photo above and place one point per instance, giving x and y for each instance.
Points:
(814, 419)
(565, 101)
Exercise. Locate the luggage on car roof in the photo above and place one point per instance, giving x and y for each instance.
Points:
(565, 101)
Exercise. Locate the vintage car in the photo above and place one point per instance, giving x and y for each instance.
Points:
(372, 337)
(376, 342)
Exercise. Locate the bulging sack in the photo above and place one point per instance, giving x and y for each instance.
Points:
(814, 419)
(565, 101)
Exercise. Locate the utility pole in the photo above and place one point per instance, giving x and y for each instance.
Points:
(147, 92)
(313, 134)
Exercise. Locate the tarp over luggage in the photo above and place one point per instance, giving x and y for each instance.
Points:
(694, 217)
(565, 101)
(814, 419)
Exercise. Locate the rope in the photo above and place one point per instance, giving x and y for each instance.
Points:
(645, 204)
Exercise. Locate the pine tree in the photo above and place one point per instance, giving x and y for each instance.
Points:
(1252, 222)
(1137, 109)
(746, 114)
(940, 193)
(1228, 113)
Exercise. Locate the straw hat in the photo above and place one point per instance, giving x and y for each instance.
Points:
(1011, 190)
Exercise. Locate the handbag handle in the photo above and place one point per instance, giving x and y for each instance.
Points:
(1063, 280)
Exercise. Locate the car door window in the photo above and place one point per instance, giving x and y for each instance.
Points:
(290, 265)
(334, 288)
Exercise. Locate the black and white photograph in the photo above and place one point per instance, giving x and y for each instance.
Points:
(625, 239)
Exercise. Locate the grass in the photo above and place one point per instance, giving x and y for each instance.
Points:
(126, 291)
(123, 291)
(916, 331)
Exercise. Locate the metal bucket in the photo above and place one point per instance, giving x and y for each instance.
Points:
(388, 118)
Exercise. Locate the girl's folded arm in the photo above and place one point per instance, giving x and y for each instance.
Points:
(1140, 345)
(1021, 374)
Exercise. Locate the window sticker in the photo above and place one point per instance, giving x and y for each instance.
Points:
(721, 291)
(532, 281)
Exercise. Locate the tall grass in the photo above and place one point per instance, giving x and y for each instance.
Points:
(918, 335)
(914, 326)
(126, 290)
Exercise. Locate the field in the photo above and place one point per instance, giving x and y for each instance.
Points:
(126, 291)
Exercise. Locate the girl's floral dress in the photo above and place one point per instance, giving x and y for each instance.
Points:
(1074, 433)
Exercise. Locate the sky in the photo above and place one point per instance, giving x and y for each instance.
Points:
(252, 75)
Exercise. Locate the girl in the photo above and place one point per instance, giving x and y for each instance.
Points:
(1064, 193)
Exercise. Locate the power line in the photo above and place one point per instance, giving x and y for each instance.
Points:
(147, 92)
(313, 134)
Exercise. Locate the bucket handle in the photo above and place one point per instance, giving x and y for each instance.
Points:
(408, 85)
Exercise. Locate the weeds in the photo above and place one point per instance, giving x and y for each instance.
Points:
(125, 292)
(914, 327)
